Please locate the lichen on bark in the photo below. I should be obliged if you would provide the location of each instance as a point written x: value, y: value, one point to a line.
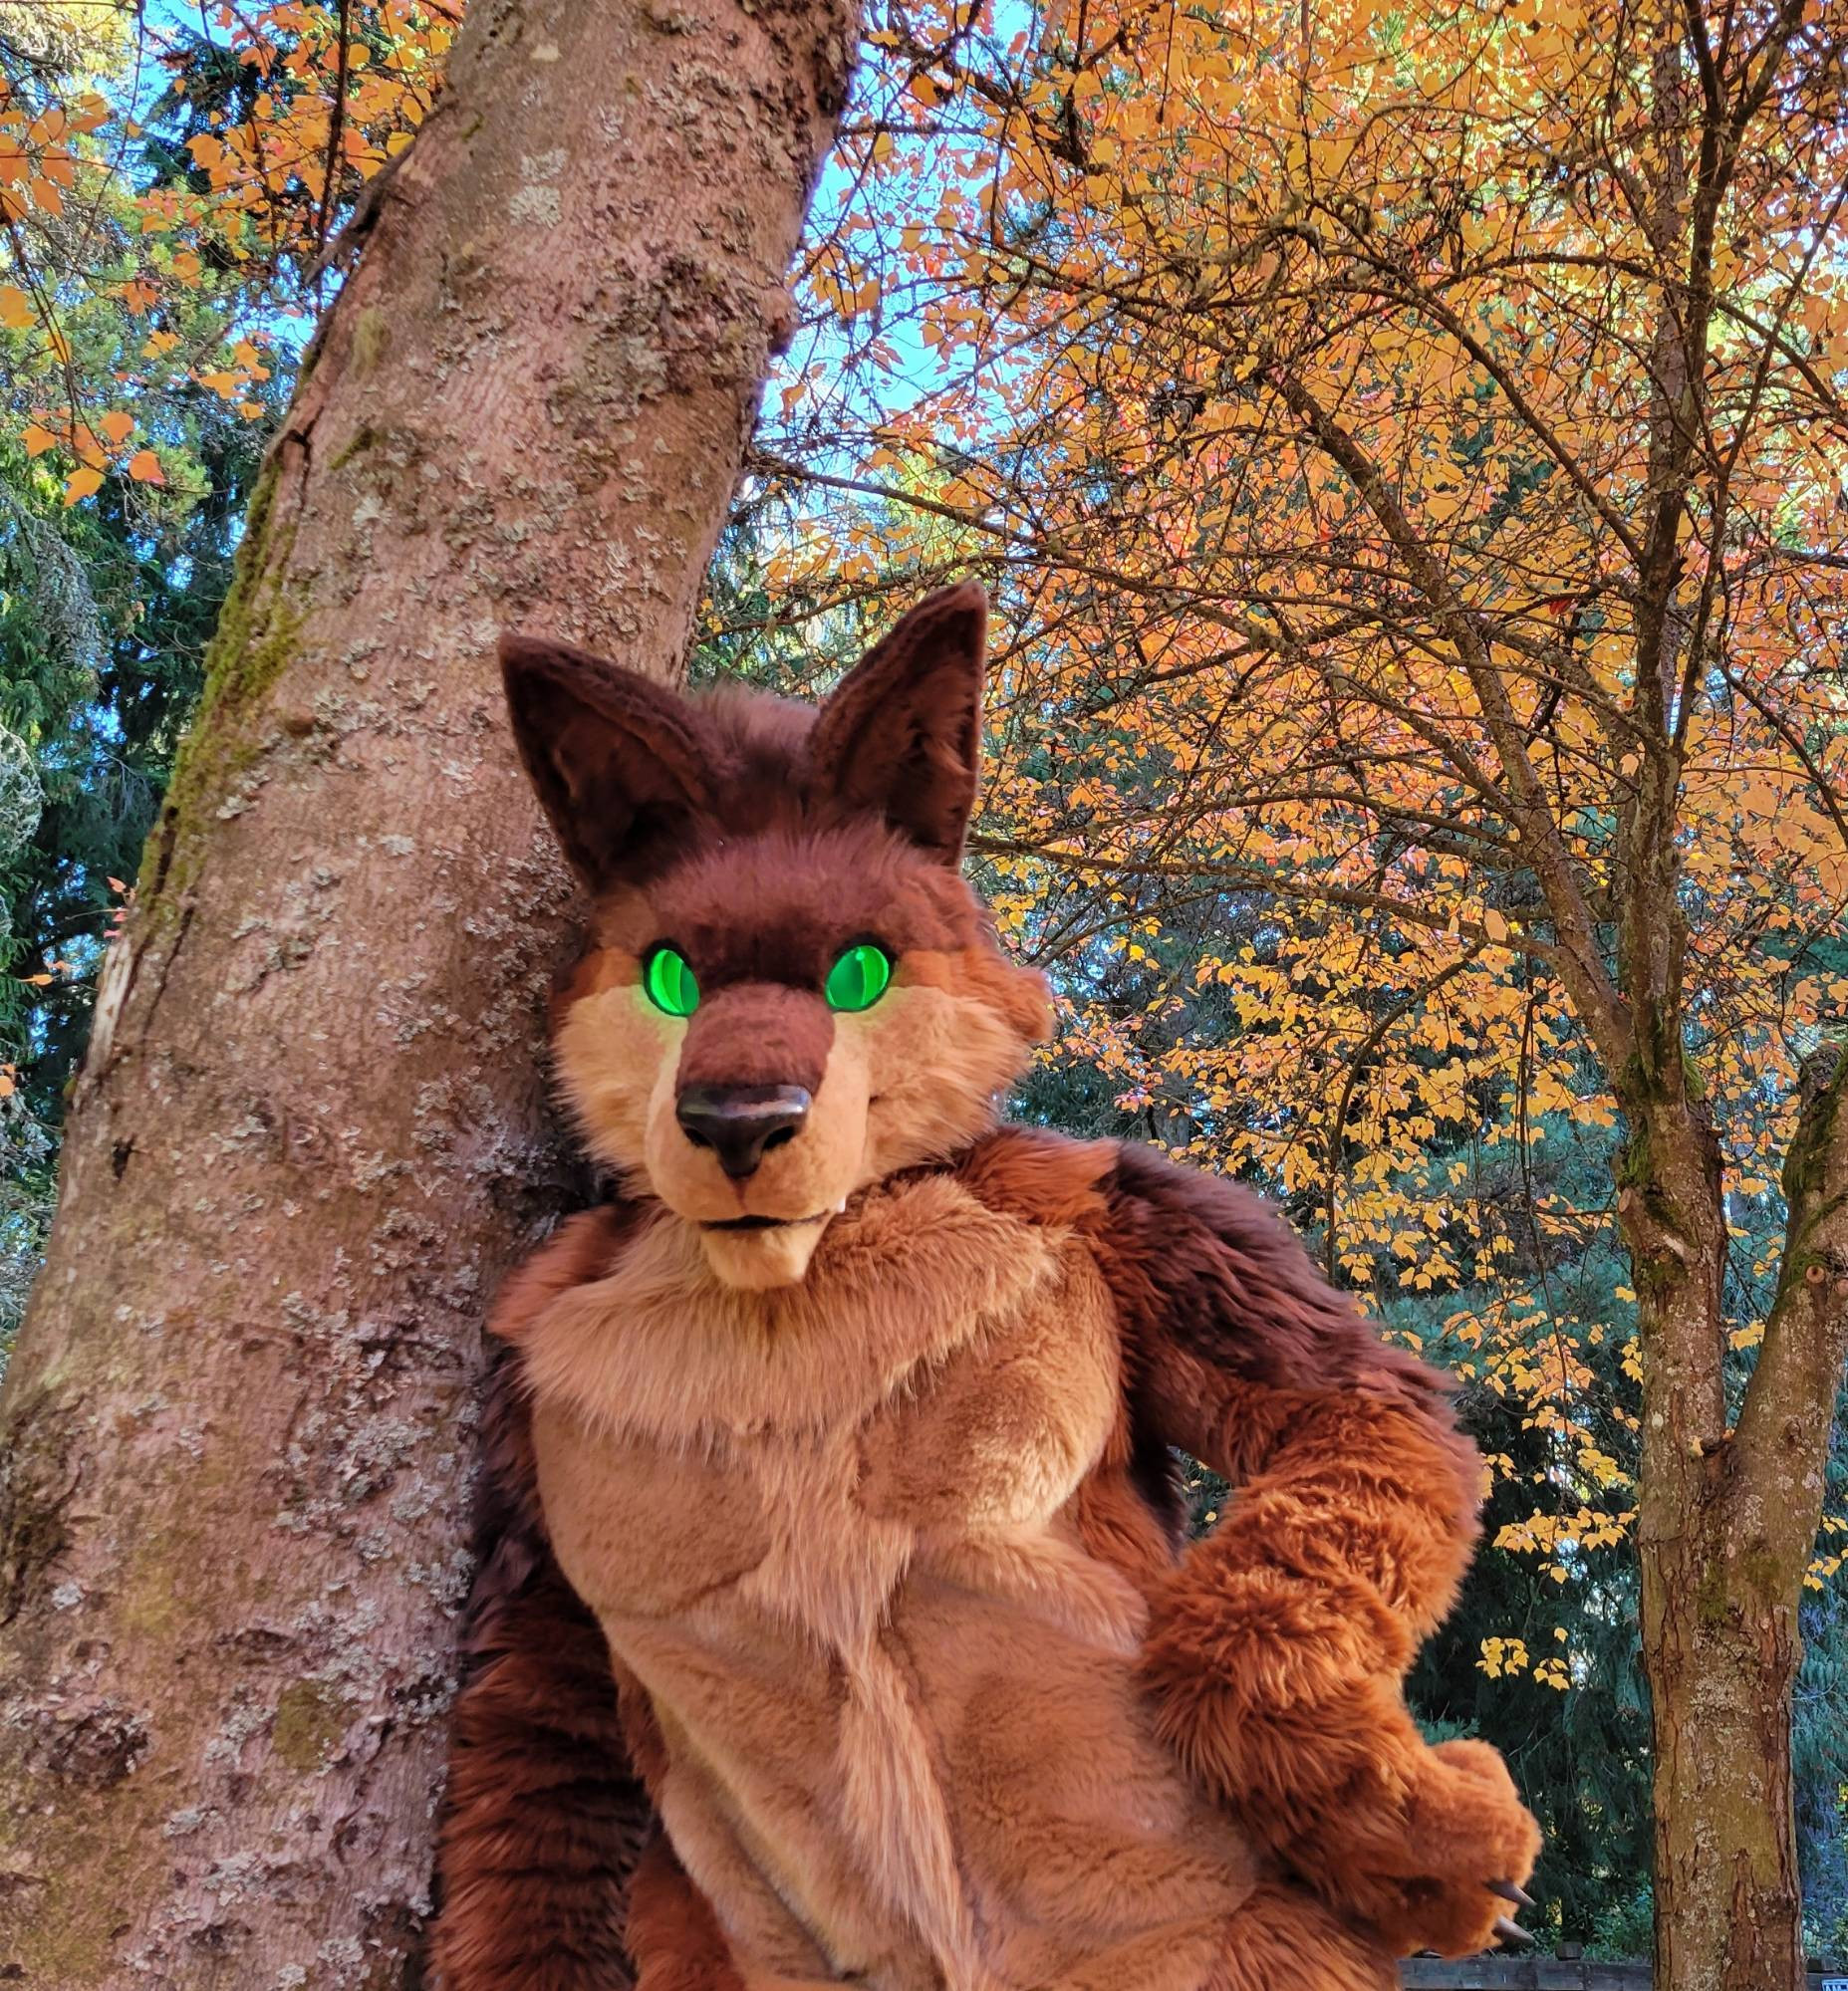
x: 250, y: 650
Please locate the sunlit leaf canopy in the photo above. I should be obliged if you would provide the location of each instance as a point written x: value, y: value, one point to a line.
x: 1309, y: 379
x: 134, y: 267
x: 173, y: 180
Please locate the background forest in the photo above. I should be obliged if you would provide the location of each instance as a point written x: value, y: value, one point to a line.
x: 1064, y: 275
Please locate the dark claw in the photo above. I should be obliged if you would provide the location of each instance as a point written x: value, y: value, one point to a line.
x: 1510, y: 1934
x: 1509, y: 1893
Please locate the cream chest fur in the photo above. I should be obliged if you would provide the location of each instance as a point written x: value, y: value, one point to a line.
x: 829, y: 1530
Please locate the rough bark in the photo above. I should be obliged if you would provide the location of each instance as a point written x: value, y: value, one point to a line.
x: 1727, y: 1513
x: 1727, y: 1527
x: 309, y: 1134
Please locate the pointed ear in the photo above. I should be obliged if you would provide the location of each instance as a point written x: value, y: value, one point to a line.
x: 902, y: 733
x: 617, y: 761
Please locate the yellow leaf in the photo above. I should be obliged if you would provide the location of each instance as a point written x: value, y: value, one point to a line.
x: 82, y: 483
x: 1494, y: 926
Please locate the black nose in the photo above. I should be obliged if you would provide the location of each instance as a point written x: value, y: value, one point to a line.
x: 739, y: 1123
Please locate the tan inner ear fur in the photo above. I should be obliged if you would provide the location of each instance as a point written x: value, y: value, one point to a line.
x: 908, y: 1080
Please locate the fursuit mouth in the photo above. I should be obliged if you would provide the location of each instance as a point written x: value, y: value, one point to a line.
x: 772, y: 1223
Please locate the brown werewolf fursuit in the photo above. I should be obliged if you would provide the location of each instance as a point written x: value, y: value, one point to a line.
x: 834, y: 1623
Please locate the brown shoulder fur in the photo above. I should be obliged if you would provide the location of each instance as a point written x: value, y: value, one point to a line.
x: 1277, y: 1649
x: 1278, y: 1644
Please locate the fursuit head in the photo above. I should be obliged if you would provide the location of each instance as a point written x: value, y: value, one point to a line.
x: 836, y: 1621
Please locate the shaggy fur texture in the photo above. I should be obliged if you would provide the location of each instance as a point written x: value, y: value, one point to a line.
x: 836, y: 1625
x: 545, y: 1808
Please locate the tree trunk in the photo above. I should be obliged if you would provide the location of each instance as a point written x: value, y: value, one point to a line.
x: 1727, y: 1526
x: 310, y: 1135
x: 1721, y: 1634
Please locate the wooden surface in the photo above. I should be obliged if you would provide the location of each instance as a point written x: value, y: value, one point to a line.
x: 1546, y: 1973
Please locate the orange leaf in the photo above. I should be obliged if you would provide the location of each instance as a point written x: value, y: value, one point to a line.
x: 145, y: 467
x: 38, y: 440
x: 15, y: 311
x: 116, y: 426
x: 82, y: 483
x: 38, y: 981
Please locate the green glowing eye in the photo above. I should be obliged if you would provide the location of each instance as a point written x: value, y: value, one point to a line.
x: 670, y: 982
x: 858, y: 979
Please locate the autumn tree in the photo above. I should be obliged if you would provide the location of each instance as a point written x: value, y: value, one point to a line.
x: 235, y: 1455
x: 1409, y: 441
x: 106, y: 595
x: 151, y: 312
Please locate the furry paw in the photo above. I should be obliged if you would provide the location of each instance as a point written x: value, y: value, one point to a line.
x: 1274, y: 1697
x: 1438, y: 1869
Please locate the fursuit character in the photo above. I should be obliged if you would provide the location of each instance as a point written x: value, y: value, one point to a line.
x: 835, y: 1623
